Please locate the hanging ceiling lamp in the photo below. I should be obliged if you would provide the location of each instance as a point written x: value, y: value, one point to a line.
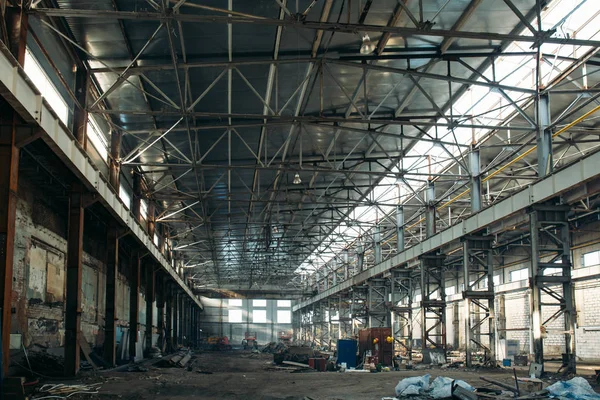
x: 297, y: 179
x: 367, y: 46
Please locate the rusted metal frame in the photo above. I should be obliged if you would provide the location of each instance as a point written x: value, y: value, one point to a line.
x: 16, y: 25
x: 135, y: 267
x: 73, y: 280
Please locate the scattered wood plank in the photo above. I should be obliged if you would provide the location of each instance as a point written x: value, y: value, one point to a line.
x: 296, y: 364
x: 86, y: 350
x: 501, y: 384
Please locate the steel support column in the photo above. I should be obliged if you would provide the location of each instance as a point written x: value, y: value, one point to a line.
x: 134, y: 304
x: 17, y: 25
x: 544, y: 136
x: 73, y: 285
x: 344, y: 316
x: 478, y: 271
x: 377, y: 302
x: 433, y: 302
x: 137, y: 197
x: 550, y: 281
x: 110, y: 309
x: 80, y: 115
x: 399, y: 229
x: 475, y: 165
x: 430, y: 209
x: 402, y: 291
x: 150, y: 292
x: 359, y: 310
x: 114, y: 165
x: 377, y: 244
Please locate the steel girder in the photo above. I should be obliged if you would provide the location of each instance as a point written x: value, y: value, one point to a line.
x: 433, y: 301
x: 402, y: 290
x: 552, y: 297
x: 478, y: 271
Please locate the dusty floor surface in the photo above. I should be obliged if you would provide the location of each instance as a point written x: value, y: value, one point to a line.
x: 242, y: 375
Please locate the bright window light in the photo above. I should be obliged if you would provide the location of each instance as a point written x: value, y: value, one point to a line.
x: 450, y: 290
x: 259, y: 303
x: 144, y: 209
x: 519, y: 275
x: 97, y: 138
x: 235, y: 302
x: 125, y: 196
x: 591, y: 259
x: 235, y: 316
x: 156, y: 240
x: 284, y: 317
x: 284, y: 303
x: 35, y: 72
x: 259, y: 316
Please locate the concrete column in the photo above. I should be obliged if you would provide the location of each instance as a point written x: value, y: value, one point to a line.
x: 110, y: 309
x: 168, y: 317
x: 150, y: 292
x: 175, y: 328
x: 134, y: 304
x: 73, y: 286
x: 160, y: 309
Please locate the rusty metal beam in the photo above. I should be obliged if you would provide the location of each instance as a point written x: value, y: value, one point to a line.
x: 134, y: 303
x: 80, y: 115
x: 73, y: 291
x: 16, y: 25
x: 114, y: 165
x: 110, y: 312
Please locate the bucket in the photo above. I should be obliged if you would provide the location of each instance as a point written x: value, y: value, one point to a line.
x: 506, y: 362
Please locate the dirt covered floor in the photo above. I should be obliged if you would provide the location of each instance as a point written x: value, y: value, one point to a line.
x: 244, y: 375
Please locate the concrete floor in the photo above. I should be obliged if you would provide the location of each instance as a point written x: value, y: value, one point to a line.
x: 243, y: 375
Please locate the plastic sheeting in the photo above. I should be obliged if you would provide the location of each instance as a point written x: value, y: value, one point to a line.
x: 577, y: 388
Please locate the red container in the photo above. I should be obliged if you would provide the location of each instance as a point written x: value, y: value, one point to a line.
x: 320, y: 364
x: 382, y: 350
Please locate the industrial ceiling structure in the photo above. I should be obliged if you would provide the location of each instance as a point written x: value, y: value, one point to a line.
x: 278, y: 138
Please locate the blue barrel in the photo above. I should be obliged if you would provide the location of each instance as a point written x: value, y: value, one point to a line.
x: 346, y: 349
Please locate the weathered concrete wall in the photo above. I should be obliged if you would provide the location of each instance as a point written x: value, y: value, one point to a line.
x: 39, y: 274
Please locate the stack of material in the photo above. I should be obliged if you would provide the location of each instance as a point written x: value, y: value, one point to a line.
x: 62, y: 391
x: 179, y: 360
x: 274, y: 348
x: 46, y: 363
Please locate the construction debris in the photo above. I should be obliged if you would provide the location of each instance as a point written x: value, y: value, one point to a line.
x: 62, y: 391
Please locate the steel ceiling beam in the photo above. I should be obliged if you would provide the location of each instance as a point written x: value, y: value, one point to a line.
x: 541, y: 37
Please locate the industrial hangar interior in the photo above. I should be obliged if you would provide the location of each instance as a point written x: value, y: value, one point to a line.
x: 236, y: 198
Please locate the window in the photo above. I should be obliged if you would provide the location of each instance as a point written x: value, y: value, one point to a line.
x: 259, y: 316
x: 284, y: 317
x: 284, y: 303
x: 156, y: 240
x: 97, y: 138
x: 125, y: 196
x: 519, y: 275
x: 235, y: 302
x: 591, y: 259
x: 259, y: 303
x: 35, y: 72
x: 450, y: 290
x: 144, y: 209
x: 235, y: 316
